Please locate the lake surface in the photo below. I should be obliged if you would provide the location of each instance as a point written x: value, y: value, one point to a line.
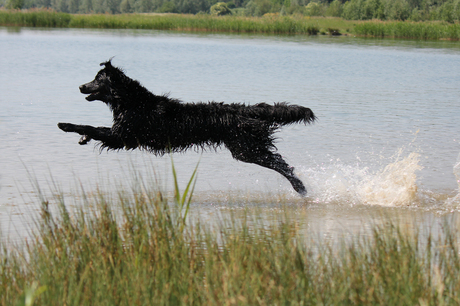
x: 388, y: 133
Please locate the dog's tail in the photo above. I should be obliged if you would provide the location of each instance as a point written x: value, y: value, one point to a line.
x: 282, y: 113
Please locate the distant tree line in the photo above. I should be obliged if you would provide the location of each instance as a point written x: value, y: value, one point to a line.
x: 415, y: 10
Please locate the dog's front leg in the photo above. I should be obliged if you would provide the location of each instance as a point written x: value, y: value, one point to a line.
x: 88, y: 132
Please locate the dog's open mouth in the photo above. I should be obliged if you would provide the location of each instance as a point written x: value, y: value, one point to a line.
x: 92, y: 92
x: 94, y: 96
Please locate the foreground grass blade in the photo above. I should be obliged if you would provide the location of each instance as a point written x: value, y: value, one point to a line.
x: 184, y: 201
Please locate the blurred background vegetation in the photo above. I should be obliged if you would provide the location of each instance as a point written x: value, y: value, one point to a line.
x: 412, y: 10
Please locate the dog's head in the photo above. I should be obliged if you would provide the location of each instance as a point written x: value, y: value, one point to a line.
x: 105, y: 85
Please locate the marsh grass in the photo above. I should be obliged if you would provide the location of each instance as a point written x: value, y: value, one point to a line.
x: 278, y: 25
x: 34, y: 18
x: 133, y: 247
x: 271, y: 24
x: 407, y: 29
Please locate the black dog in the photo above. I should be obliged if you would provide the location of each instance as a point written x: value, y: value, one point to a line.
x: 160, y: 124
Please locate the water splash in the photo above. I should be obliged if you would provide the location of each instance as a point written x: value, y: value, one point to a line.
x: 391, y: 184
x: 333, y: 183
x: 395, y: 185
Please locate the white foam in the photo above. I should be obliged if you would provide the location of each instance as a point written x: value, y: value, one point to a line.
x: 395, y: 185
x: 392, y: 184
x: 333, y: 183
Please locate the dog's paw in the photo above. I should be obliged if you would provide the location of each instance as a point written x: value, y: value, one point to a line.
x: 66, y: 127
x: 84, y: 139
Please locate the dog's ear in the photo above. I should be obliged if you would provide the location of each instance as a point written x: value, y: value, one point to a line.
x: 107, y: 63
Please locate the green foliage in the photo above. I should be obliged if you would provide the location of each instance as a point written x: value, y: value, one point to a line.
x: 168, y: 7
x: 220, y: 9
x: 15, y: 4
x: 125, y: 6
x: 414, y: 10
x: 260, y: 7
x: 352, y: 9
x: 183, y: 202
x: 373, y: 9
x: 314, y: 9
x: 448, y: 11
x: 30, y: 294
x: 34, y: 18
x: 271, y: 23
x: 418, y: 30
x: 334, y: 9
x: 376, y: 9
x: 397, y: 10
x: 276, y: 25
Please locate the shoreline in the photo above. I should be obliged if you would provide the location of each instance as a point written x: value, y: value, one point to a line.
x: 273, y: 24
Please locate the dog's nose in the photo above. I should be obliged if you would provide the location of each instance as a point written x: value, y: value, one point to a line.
x: 85, y: 89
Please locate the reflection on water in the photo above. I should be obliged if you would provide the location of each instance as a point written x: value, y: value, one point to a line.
x: 371, y: 96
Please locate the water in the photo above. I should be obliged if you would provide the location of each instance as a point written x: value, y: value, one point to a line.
x: 387, y: 135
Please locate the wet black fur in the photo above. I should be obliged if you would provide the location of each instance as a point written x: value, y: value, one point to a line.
x: 160, y: 124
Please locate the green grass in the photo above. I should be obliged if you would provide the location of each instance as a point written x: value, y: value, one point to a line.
x: 35, y: 18
x: 407, y: 29
x: 272, y: 24
x: 285, y: 25
x: 134, y: 247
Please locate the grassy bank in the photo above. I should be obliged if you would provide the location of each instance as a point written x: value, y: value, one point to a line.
x: 417, y: 30
x: 272, y: 24
x: 275, y: 25
x: 134, y: 248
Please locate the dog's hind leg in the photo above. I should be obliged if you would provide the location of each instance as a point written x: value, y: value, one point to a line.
x: 88, y: 132
x: 271, y: 160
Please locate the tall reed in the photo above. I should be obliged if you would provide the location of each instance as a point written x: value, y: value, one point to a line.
x: 35, y: 18
x: 274, y: 25
x: 286, y: 25
x: 406, y: 29
x: 236, y: 24
x: 131, y: 248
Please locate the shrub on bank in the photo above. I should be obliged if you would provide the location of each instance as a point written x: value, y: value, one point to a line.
x: 220, y: 9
